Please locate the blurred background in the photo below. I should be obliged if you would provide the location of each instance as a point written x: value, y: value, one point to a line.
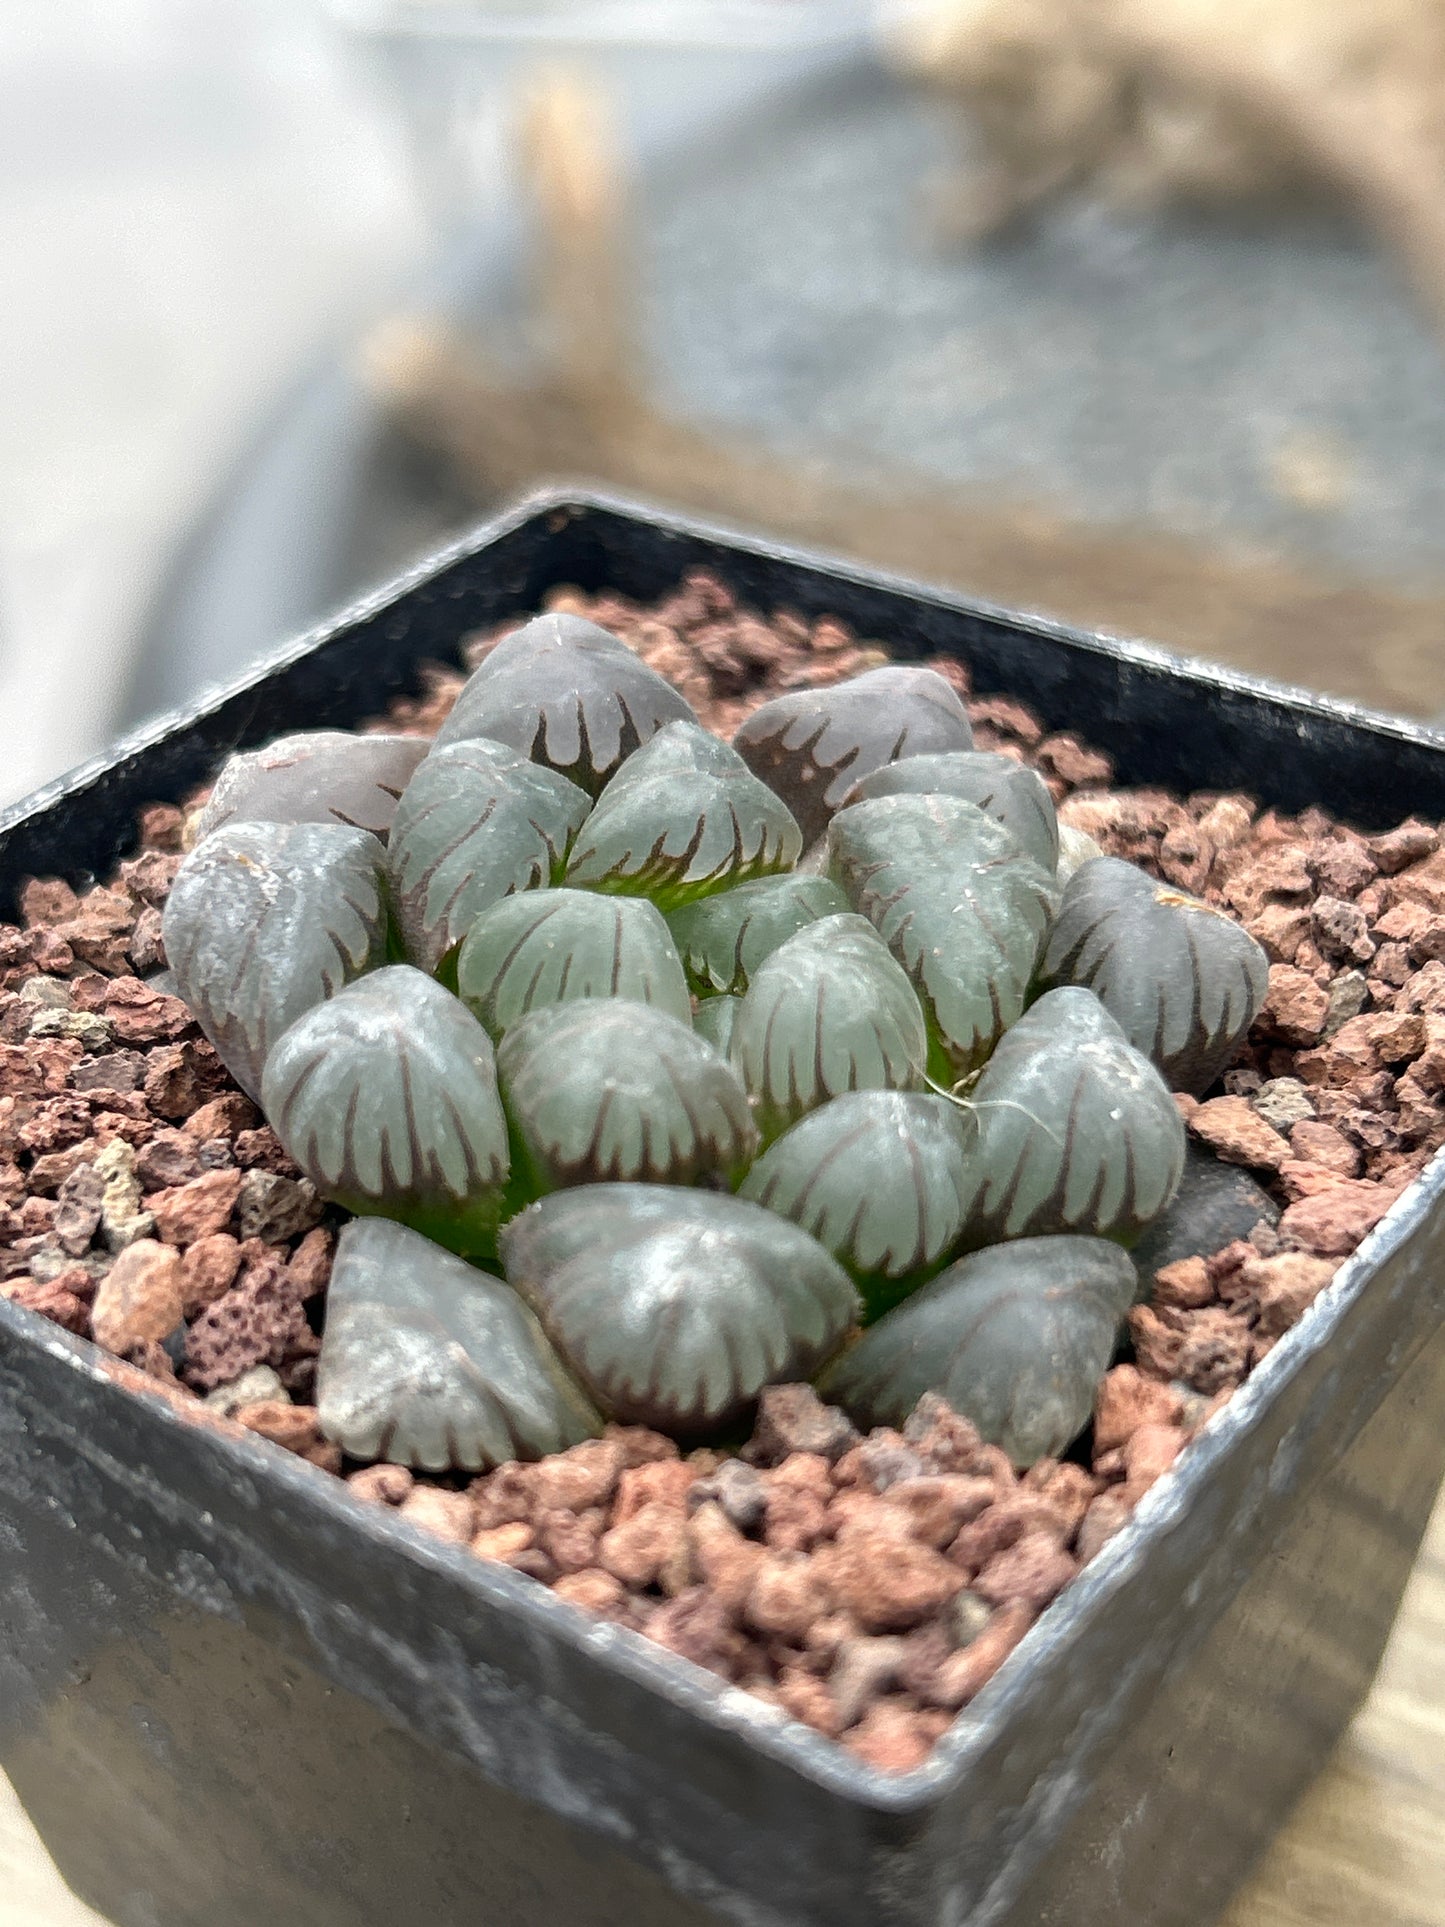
x: 1128, y: 310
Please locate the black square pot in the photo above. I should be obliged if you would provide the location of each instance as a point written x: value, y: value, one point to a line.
x: 231, y: 1692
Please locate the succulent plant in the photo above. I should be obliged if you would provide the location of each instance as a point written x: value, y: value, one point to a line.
x: 428, y: 1362
x: 1016, y: 1338
x: 567, y: 694
x: 266, y: 919
x: 813, y: 745
x: 962, y: 907
x: 1184, y: 980
x: 386, y: 1096
x: 710, y: 1109
x: 676, y: 1308
x: 318, y: 776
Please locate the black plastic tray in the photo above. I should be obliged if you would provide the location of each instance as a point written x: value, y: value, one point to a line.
x: 229, y: 1690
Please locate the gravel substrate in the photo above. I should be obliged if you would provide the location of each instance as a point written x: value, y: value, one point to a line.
x: 869, y: 1587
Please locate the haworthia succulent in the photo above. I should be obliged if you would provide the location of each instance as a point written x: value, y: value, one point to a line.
x: 264, y: 920
x: 386, y: 1096
x: 1016, y: 1338
x: 722, y: 939
x: 1077, y: 1130
x: 682, y: 818
x: 714, y: 1019
x: 550, y: 946
x: 619, y: 1090
x: 958, y: 903
x: 1183, y: 979
x: 879, y: 1178
x: 1010, y: 792
x: 429, y: 1363
x: 477, y: 823
x: 829, y: 1011
x: 812, y: 745
x: 568, y: 694
x: 317, y: 776
x: 675, y: 1308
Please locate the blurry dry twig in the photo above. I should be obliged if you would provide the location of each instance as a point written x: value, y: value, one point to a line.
x: 582, y: 413
x: 1153, y: 101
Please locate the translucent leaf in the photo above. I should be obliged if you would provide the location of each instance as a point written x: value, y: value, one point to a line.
x: 829, y: 1011
x: 387, y: 1098
x: 1182, y: 978
x: 958, y: 904
x: 683, y: 817
x: 723, y: 938
x: 813, y: 745
x: 568, y: 694
x: 618, y: 1090
x: 478, y: 822
x: 715, y: 1019
x: 429, y: 1363
x: 1011, y: 793
x: 879, y: 1178
x: 266, y: 919
x: 551, y: 946
x: 1016, y: 1338
x: 318, y: 776
x: 675, y: 1308
x: 1077, y: 1129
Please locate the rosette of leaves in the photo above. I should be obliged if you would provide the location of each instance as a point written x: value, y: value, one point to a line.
x: 1077, y: 1131
x: 812, y: 745
x: 478, y: 822
x: 549, y: 946
x: 1010, y: 792
x: 828, y: 1011
x: 960, y: 905
x: 880, y: 1179
x: 386, y: 1096
x: 1016, y: 1338
x: 263, y: 921
x: 675, y: 1308
x: 682, y: 818
x: 618, y: 1090
x: 427, y: 1362
x: 1183, y: 980
x: 567, y: 694
x: 315, y: 776
x: 723, y: 938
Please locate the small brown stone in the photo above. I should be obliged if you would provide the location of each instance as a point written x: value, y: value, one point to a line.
x: 1214, y: 1351
x: 447, y: 1514
x: 1185, y: 1284
x: 1148, y: 1455
x: 586, y: 1475
x: 1235, y: 1132
x: 792, y: 1418
x: 502, y: 1543
x: 937, y: 1506
x: 696, y: 1626
x: 52, y: 1299
x: 1031, y: 1572
x: 139, y: 1298
x: 1334, y: 1221
x: 1296, y: 1007
x: 648, y: 1541
x: 886, y: 1581
x: 658, y: 1482
x: 892, y: 1738
x: 382, y: 1484
x: 1322, y: 1144
x: 1126, y: 1400
x: 593, y: 1591
x: 208, y: 1271
x: 1285, y: 1287
x: 196, y: 1210
x: 726, y: 1561
x: 965, y: 1673
x: 569, y: 1539
x: 640, y: 1445
x: 808, y: 1699
x: 225, y: 1116
x: 296, y: 1427
x: 786, y: 1596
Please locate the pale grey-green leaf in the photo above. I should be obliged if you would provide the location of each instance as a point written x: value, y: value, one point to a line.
x: 264, y: 920
x: 477, y: 823
x: 675, y: 1308
x: 552, y: 946
x: 316, y: 776
x: 619, y: 1090
x: 429, y: 1363
x: 722, y: 939
x: 1016, y: 1338
x: 1009, y: 791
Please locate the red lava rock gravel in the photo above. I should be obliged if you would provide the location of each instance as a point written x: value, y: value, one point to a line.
x: 869, y: 1587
